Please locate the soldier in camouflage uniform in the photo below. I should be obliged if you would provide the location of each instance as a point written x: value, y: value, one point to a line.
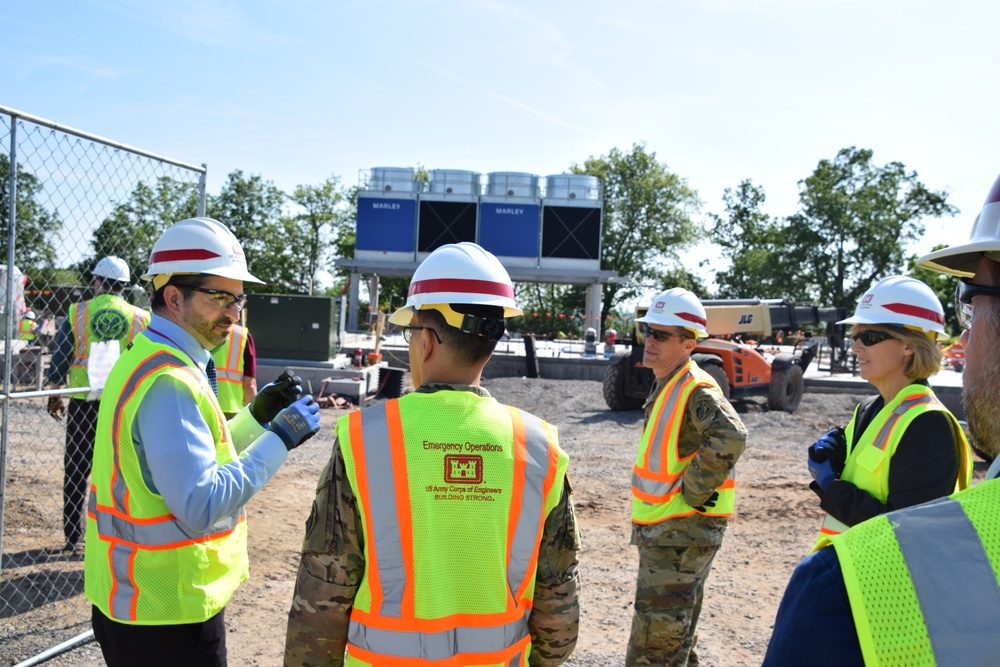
x: 450, y: 342
x: 683, y: 484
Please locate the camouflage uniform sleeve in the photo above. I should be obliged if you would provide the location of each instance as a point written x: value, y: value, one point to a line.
x: 330, y: 572
x: 716, y: 435
x: 555, y: 617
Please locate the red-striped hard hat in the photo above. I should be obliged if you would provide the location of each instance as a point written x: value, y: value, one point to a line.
x: 459, y: 273
x: 677, y: 307
x: 963, y: 259
x: 199, y: 245
x: 900, y: 300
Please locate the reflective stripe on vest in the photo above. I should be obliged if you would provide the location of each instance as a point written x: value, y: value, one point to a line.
x: 658, y: 474
x: 25, y: 329
x: 376, y: 436
x: 886, y: 440
x: 922, y: 587
x: 229, y: 356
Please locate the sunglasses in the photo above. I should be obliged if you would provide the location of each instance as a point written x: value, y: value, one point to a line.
x: 964, y: 293
x: 221, y: 298
x: 657, y: 335
x: 870, y: 337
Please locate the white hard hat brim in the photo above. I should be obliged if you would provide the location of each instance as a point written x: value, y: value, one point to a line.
x: 960, y: 260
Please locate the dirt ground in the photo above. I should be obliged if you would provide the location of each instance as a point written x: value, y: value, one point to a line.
x: 774, y: 526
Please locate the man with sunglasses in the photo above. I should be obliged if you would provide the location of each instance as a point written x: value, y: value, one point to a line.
x: 918, y: 586
x: 683, y: 483
x: 443, y: 530
x: 166, y: 535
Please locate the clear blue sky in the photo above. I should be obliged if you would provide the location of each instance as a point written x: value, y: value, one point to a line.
x: 298, y: 90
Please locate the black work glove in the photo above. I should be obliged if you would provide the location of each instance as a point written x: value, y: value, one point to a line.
x: 708, y: 503
x: 275, y: 397
x: 56, y: 407
x: 831, y: 447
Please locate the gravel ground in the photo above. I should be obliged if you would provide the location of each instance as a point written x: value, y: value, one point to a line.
x: 775, y: 524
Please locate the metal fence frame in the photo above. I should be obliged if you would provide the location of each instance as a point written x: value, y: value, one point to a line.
x: 9, y: 394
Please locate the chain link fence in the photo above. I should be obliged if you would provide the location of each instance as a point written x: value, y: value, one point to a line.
x: 67, y: 199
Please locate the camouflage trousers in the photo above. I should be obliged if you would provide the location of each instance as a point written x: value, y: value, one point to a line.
x: 668, y: 596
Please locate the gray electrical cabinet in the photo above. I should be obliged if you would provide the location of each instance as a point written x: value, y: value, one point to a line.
x: 286, y: 326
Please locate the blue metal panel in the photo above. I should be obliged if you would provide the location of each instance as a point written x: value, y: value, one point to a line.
x: 508, y: 229
x: 386, y: 224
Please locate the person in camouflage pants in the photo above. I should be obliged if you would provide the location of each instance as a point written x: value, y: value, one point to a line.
x: 678, y: 529
x: 331, y: 610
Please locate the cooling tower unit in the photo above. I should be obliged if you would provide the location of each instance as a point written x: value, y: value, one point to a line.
x: 387, y: 216
x: 510, y: 217
x: 571, y: 222
x: 448, y: 211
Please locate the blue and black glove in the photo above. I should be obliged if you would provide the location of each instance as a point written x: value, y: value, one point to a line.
x: 831, y: 447
x: 822, y: 472
x: 275, y: 397
x: 297, y: 423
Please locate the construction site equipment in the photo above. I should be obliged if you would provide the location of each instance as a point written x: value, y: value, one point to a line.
x: 740, y: 366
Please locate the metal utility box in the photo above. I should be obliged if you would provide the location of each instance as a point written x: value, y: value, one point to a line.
x: 288, y: 326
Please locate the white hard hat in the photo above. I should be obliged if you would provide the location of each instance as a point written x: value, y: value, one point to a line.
x: 458, y: 273
x: 113, y: 268
x: 29, y: 314
x: 677, y: 307
x: 199, y: 245
x: 963, y: 259
x: 900, y: 300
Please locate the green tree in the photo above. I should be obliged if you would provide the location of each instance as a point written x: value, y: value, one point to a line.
x: 855, y: 220
x: 647, y: 220
x: 759, y: 260
x: 322, y: 207
x: 36, y: 227
x: 132, y: 228
x: 252, y: 208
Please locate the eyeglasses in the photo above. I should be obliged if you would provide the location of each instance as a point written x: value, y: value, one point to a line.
x: 658, y: 335
x: 408, y: 333
x: 221, y: 298
x: 870, y: 337
x: 964, y: 293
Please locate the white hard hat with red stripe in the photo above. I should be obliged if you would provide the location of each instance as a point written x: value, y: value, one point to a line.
x: 902, y: 301
x: 458, y: 273
x: 963, y: 259
x: 198, y: 246
x: 677, y: 307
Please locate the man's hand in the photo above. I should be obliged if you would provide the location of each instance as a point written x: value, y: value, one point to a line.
x: 297, y: 423
x: 822, y: 472
x: 275, y: 397
x: 831, y: 447
x: 708, y: 503
x: 56, y: 407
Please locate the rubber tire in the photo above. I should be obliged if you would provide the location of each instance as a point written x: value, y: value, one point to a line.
x: 719, y: 375
x: 786, y: 388
x: 614, y: 385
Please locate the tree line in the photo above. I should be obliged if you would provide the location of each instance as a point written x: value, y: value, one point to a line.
x: 854, y: 219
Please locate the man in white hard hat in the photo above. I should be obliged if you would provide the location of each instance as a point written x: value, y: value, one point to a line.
x: 166, y: 536
x: 683, y: 483
x: 88, y: 342
x: 918, y: 586
x: 443, y: 529
x: 28, y: 326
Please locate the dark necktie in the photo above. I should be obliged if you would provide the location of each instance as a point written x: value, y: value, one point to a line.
x: 213, y: 380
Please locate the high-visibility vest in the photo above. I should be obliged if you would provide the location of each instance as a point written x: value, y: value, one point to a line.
x: 453, y: 489
x: 229, y: 369
x: 922, y: 582
x: 867, y: 465
x: 106, y: 317
x: 26, y: 329
x: 658, y: 473
x: 141, y: 565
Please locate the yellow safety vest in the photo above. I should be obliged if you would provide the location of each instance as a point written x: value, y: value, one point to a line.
x: 922, y: 582
x: 26, y: 329
x: 141, y: 565
x: 229, y: 369
x: 867, y: 465
x: 106, y: 317
x: 453, y: 490
x: 659, y: 471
